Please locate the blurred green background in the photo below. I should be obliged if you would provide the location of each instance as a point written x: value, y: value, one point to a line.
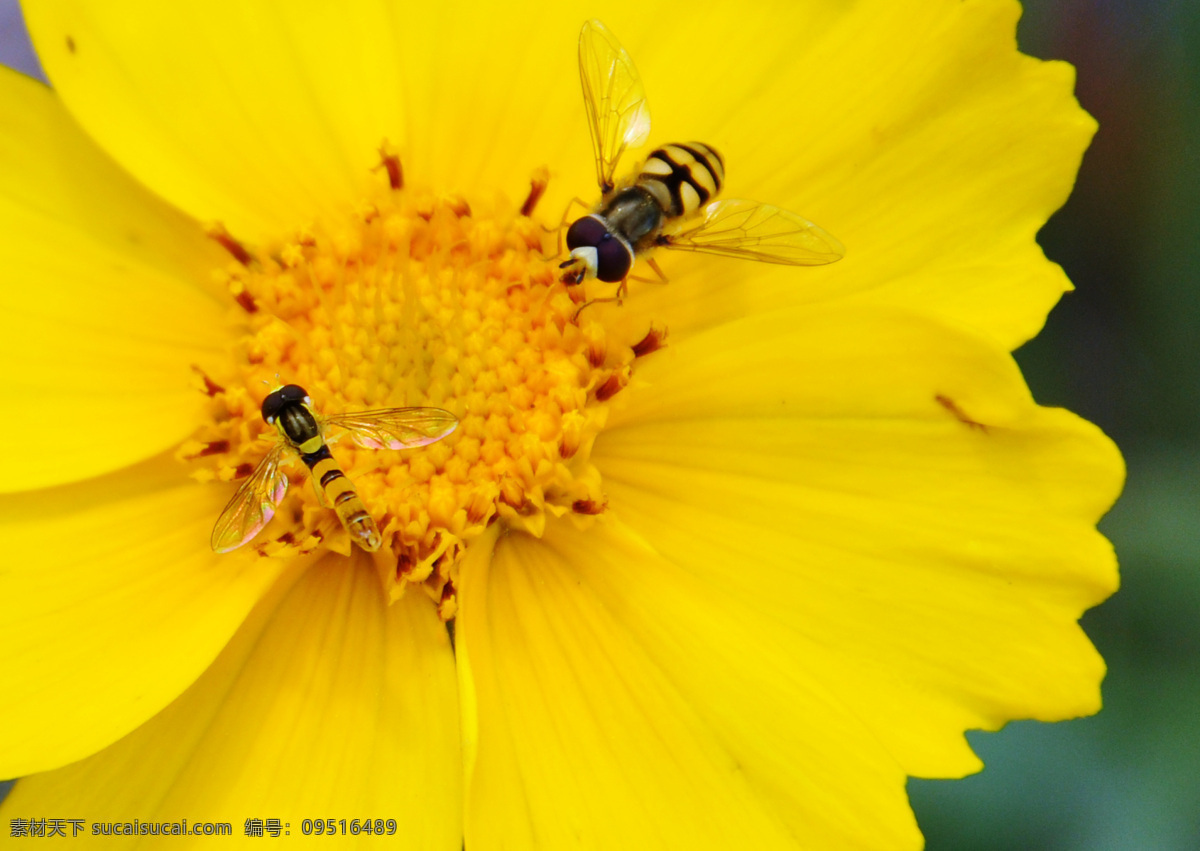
x: 1122, y: 352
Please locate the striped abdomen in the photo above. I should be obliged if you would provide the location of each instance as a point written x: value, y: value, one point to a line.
x: 682, y: 177
x: 336, y: 490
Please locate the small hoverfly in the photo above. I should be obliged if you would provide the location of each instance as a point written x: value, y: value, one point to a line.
x: 655, y: 206
x: 301, y: 430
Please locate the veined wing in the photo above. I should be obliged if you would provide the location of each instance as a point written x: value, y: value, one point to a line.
x: 253, y: 505
x: 396, y: 428
x: 754, y: 231
x: 615, y: 98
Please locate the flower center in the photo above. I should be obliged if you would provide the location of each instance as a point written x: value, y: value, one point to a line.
x: 418, y: 300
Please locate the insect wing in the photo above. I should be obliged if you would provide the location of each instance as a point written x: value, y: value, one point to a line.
x: 615, y: 98
x: 754, y: 231
x: 253, y: 505
x: 396, y: 428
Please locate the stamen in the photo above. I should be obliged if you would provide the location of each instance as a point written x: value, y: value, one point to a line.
x: 589, y: 506
x: 611, y: 387
x: 418, y: 299
x: 211, y: 388
x: 537, y: 188
x: 217, y: 232
x: 390, y: 161
x: 654, y: 340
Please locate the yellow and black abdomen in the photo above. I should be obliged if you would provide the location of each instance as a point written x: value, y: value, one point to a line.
x: 682, y: 177
x: 338, y: 492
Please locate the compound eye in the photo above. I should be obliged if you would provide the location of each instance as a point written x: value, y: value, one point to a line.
x: 613, y: 260
x: 276, y: 401
x: 587, y: 231
x: 271, y: 406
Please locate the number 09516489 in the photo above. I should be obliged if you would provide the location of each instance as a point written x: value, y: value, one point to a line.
x: 348, y: 827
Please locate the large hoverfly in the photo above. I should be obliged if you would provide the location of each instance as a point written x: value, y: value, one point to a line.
x: 302, y: 431
x: 666, y: 201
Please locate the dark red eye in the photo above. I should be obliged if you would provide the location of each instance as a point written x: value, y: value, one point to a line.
x: 587, y: 231
x: 613, y: 259
x: 276, y: 401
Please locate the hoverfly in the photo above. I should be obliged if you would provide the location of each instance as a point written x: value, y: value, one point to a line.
x: 655, y: 206
x: 302, y: 431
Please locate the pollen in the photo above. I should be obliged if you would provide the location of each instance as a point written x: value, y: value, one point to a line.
x: 416, y: 299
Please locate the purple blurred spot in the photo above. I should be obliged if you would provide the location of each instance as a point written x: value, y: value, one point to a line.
x: 16, y: 51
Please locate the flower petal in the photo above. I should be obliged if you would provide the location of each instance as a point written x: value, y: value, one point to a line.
x: 605, y: 721
x: 916, y: 134
x: 882, y: 495
x: 221, y: 108
x: 942, y: 184
x: 328, y: 703
x: 914, y: 131
x: 107, y: 624
x: 100, y: 315
x: 264, y: 116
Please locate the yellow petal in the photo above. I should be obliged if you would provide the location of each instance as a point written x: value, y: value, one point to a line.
x: 216, y: 108
x: 327, y: 704
x: 605, y: 721
x: 101, y: 317
x: 913, y: 131
x: 883, y: 498
x: 265, y: 116
x: 111, y: 604
x: 964, y: 157
x: 916, y: 134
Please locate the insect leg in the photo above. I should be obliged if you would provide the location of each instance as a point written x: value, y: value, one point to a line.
x: 618, y: 297
x: 661, y: 277
x: 562, y: 226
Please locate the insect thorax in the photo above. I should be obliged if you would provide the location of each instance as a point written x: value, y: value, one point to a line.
x: 634, y: 213
x: 298, y: 424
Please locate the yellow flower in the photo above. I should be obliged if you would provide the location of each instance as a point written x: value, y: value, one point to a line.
x: 727, y: 588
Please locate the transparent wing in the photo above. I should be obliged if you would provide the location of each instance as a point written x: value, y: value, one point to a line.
x: 754, y: 231
x: 614, y: 97
x: 253, y: 505
x: 396, y: 428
